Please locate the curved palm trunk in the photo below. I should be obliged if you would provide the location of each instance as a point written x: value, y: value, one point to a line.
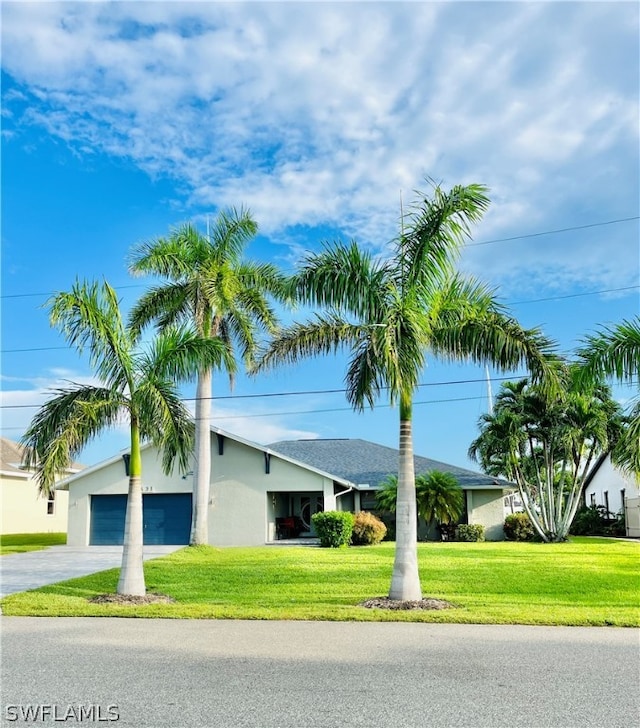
x: 202, y: 467
x: 131, y: 579
x: 405, y: 580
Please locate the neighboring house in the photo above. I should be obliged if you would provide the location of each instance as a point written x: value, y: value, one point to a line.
x: 253, y: 488
x: 24, y: 509
x: 616, y: 490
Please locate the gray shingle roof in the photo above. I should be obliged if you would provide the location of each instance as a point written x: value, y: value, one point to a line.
x: 364, y: 462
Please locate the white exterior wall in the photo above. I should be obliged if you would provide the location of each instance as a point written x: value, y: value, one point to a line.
x: 112, y: 479
x: 24, y: 510
x: 240, y: 509
x: 486, y: 507
x: 608, y: 479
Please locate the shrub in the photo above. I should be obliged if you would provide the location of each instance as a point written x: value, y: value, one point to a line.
x: 367, y: 529
x: 470, y: 532
x: 333, y: 528
x: 617, y: 527
x: 590, y: 521
x: 518, y: 527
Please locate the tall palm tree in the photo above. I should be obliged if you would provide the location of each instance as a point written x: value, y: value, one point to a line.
x: 392, y: 313
x: 615, y: 351
x: 210, y: 285
x: 136, y: 384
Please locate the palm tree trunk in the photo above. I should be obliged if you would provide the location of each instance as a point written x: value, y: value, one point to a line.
x: 405, y: 580
x: 132, y: 572
x: 202, y: 468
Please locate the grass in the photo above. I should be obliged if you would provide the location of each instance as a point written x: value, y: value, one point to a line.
x: 18, y: 543
x: 584, y: 582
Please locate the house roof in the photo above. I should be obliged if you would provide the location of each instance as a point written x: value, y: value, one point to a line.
x: 11, y: 454
x: 367, y: 464
x: 11, y: 458
x: 65, y: 482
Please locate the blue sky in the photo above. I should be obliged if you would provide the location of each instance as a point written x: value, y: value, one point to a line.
x: 121, y: 120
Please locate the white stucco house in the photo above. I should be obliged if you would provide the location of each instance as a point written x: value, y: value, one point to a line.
x: 258, y: 493
x: 24, y: 509
x: 616, y: 490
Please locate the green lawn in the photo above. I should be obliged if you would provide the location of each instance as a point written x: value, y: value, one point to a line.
x: 584, y: 582
x: 16, y: 543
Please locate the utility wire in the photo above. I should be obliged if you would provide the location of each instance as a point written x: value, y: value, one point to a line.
x: 484, y: 242
x: 513, y: 303
x: 296, y: 394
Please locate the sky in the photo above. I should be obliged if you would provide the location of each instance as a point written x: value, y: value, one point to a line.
x: 123, y: 120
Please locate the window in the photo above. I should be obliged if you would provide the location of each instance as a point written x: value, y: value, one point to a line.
x: 606, y: 500
x: 51, y: 503
x: 593, y: 499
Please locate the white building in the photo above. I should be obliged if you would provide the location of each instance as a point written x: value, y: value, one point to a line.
x: 616, y: 490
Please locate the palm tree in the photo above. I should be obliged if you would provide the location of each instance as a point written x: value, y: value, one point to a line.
x: 548, y: 445
x: 208, y: 284
x: 615, y: 351
x: 440, y: 497
x: 137, y: 385
x: 391, y: 314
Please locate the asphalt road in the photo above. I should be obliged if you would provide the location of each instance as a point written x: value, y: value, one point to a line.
x: 228, y: 674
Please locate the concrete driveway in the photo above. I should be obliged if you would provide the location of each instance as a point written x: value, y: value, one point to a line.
x: 19, y: 572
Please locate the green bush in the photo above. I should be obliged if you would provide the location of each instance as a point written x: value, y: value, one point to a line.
x: 470, y: 532
x: 333, y: 528
x: 367, y: 529
x: 591, y: 521
x: 518, y: 527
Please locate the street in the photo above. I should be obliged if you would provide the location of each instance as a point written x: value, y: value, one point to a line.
x: 219, y: 674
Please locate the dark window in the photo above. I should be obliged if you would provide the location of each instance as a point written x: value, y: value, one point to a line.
x: 51, y: 503
x: 606, y: 500
x: 593, y: 499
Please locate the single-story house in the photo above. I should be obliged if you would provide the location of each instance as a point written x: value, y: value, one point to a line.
x: 253, y: 488
x: 608, y: 486
x: 24, y: 509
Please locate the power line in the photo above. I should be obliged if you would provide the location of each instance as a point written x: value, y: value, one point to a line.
x: 300, y: 393
x: 512, y: 303
x: 573, y: 295
x: 559, y: 230
x: 484, y: 242
x: 317, y: 411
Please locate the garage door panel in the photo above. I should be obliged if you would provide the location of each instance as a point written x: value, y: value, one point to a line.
x: 166, y: 519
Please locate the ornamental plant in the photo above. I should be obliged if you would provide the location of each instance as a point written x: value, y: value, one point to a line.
x: 334, y: 528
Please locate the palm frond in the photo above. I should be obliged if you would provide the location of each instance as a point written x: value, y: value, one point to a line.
x: 167, y: 305
x: 64, y: 425
x: 345, y: 278
x: 89, y: 317
x: 178, y: 354
x: 165, y: 421
x: 613, y: 351
x: 323, y: 335
x: 437, y: 228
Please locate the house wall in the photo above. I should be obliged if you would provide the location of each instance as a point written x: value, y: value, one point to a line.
x: 112, y: 480
x: 24, y: 510
x: 487, y: 508
x: 244, y: 499
x: 607, y: 485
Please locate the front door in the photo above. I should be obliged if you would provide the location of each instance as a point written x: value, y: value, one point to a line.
x: 304, y: 506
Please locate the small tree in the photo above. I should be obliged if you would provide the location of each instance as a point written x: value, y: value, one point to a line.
x: 439, y: 497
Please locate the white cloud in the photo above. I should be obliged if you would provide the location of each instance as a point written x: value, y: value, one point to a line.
x: 319, y: 114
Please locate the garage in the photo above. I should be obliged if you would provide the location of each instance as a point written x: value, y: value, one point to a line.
x: 166, y: 519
